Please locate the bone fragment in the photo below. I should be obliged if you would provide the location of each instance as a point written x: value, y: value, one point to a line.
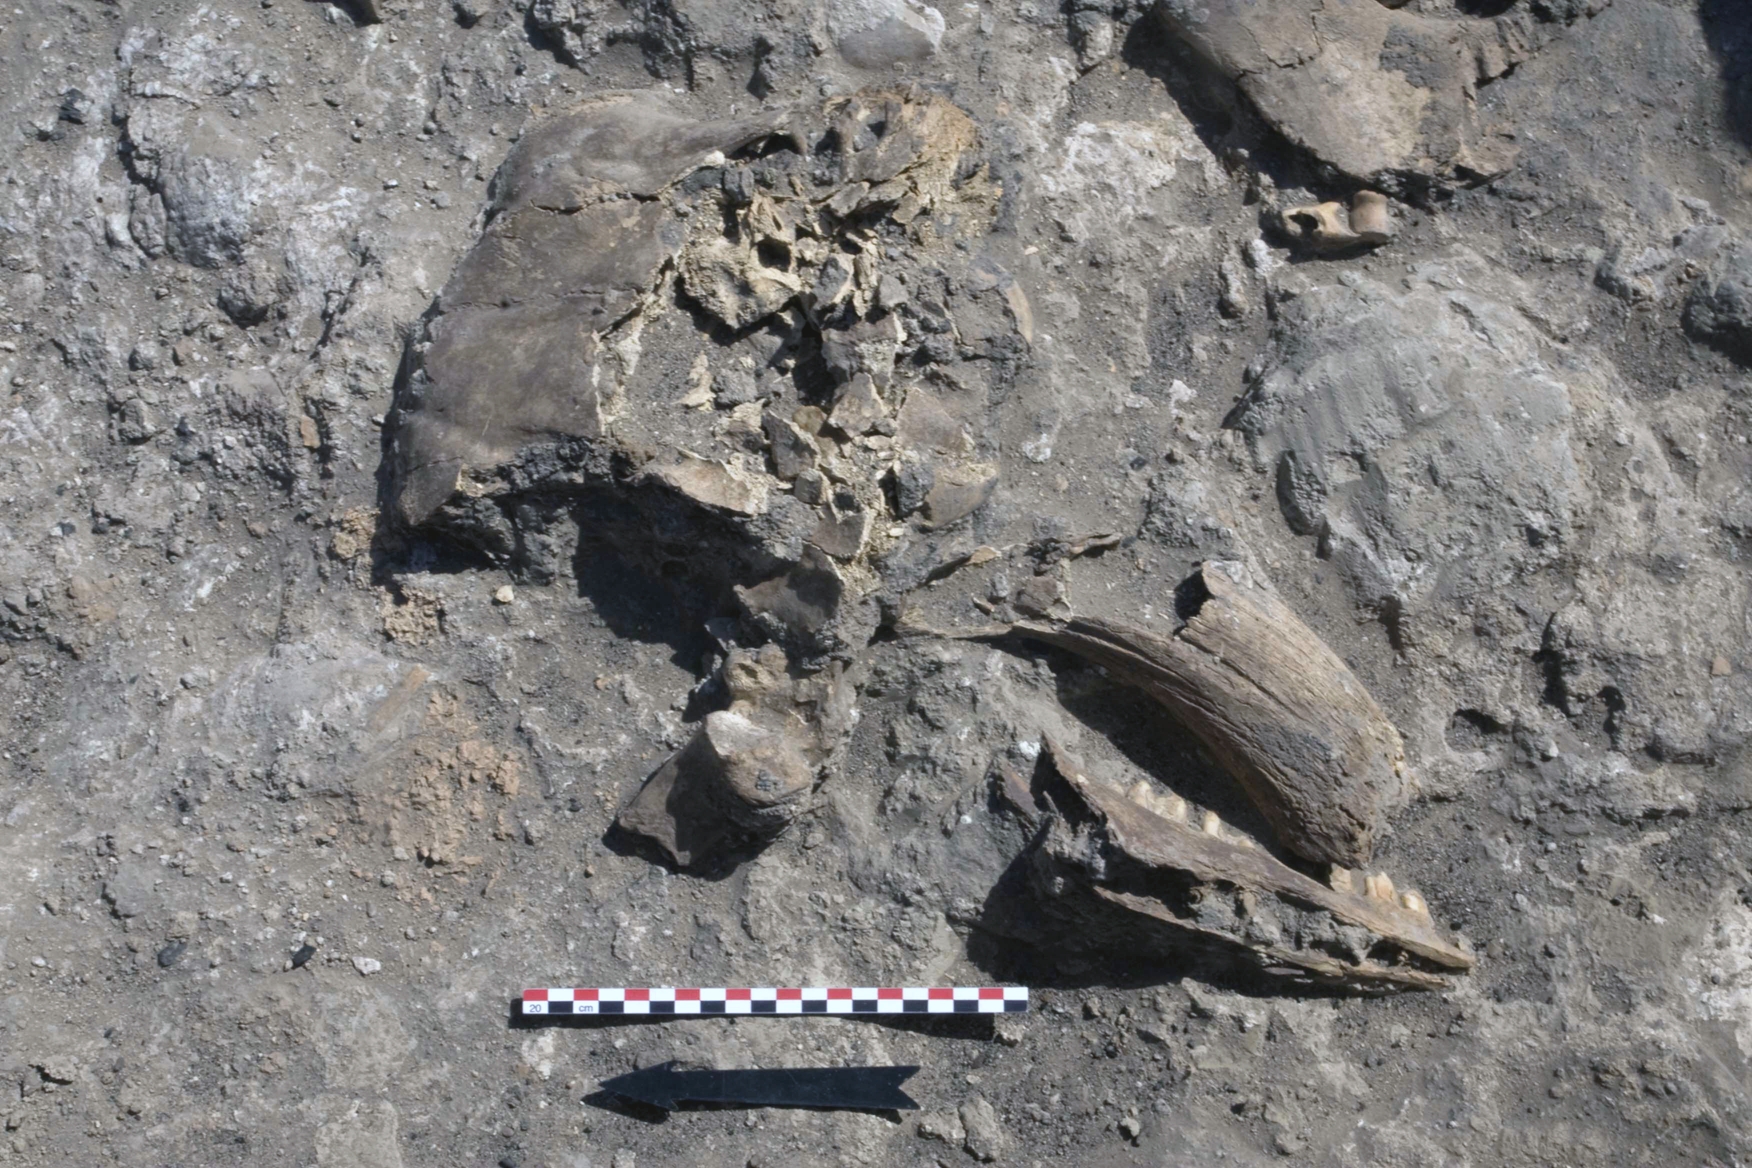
x: 1379, y: 886
x: 1321, y: 225
x: 1368, y: 217
x: 1327, y: 227
x: 1273, y: 704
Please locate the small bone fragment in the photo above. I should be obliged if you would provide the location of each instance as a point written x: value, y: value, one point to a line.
x: 1379, y: 886
x: 1275, y: 706
x: 1339, y: 879
x: 1324, y: 226
x: 1414, y: 902
x: 1212, y: 825
x: 1368, y: 217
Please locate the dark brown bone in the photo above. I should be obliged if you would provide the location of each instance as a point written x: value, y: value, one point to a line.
x: 1273, y: 704
x: 1156, y: 879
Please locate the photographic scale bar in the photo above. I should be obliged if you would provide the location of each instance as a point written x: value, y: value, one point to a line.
x: 672, y: 1000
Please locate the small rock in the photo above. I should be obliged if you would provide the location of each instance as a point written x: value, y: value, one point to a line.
x: 941, y: 1125
x: 959, y: 494
x: 504, y: 594
x: 171, y: 954
x: 811, y: 487
x: 623, y: 1158
x: 878, y: 34
x: 367, y: 965
x: 59, y: 1069
x: 76, y: 107
x: 793, y: 450
x: 856, y: 407
x: 302, y: 955
x: 985, y: 1136
x: 1130, y: 1128
x: 1721, y: 667
x: 734, y: 387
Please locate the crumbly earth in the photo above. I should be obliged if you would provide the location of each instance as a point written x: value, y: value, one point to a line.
x: 294, y: 799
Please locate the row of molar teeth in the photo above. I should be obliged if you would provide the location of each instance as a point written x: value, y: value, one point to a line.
x: 1175, y: 809
x: 1378, y: 885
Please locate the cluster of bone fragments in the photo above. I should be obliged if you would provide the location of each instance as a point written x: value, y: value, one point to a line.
x: 751, y: 355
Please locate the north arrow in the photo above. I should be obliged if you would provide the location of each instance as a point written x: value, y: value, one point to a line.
x: 843, y: 1088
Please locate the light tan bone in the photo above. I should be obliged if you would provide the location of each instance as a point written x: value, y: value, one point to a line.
x: 1326, y: 226
x: 1275, y: 706
x: 1368, y: 217
x: 1125, y: 878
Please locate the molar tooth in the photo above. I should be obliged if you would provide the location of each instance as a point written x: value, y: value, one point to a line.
x: 1379, y: 886
x: 1170, y: 807
x: 1339, y: 879
x: 1212, y: 824
x: 1415, y: 902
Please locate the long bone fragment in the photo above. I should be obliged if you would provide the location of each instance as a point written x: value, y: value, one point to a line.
x: 1130, y: 878
x: 1276, y: 707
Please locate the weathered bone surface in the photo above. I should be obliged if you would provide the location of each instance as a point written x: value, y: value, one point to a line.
x: 695, y: 349
x: 1276, y: 707
x: 1368, y: 88
x: 748, y: 771
x: 573, y: 250
x: 1131, y: 874
x: 1327, y: 227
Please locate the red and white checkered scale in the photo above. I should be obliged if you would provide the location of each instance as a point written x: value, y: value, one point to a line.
x: 777, y: 1000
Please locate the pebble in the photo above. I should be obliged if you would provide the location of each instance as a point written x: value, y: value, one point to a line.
x: 171, y: 954
x: 985, y: 1136
x: 367, y: 965
x: 504, y: 594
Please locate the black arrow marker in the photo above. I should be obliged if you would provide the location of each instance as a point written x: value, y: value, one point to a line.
x: 842, y: 1088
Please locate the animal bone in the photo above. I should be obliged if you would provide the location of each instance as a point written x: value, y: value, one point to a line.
x: 1326, y: 227
x: 1275, y: 706
x: 1368, y: 217
x: 748, y: 771
x: 1124, y: 878
x: 1321, y: 225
